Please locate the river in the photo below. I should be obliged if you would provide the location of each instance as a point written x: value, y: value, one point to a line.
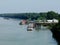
x: 11, y: 33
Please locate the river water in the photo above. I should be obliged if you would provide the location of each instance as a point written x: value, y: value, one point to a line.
x: 11, y: 33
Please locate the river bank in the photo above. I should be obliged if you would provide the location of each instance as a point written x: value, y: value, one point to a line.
x: 56, y: 32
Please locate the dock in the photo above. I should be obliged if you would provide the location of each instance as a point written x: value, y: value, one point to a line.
x: 37, y: 24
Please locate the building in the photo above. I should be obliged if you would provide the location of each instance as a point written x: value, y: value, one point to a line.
x: 53, y: 21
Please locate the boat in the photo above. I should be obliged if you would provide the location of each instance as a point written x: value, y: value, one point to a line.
x: 30, y: 29
x: 23, y: 22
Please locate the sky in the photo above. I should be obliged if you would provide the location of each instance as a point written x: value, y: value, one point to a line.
x: 23, y: 6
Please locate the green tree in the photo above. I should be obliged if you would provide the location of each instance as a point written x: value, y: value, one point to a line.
x: 51, y: 15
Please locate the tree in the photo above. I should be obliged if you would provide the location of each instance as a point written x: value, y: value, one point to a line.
x: 51, y: 15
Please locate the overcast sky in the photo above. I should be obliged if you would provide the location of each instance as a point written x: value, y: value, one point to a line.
x: 22, y: 6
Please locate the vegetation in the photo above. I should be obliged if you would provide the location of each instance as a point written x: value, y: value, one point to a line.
x: 32, y: 16
x: 56, y: 32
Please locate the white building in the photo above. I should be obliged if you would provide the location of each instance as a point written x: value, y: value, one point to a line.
x: 50, y: 21
x: 53, y: 20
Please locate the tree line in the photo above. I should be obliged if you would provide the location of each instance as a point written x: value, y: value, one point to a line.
x: 32, y: 16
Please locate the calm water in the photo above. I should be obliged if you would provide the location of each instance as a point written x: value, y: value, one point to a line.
x: 11, y: 33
